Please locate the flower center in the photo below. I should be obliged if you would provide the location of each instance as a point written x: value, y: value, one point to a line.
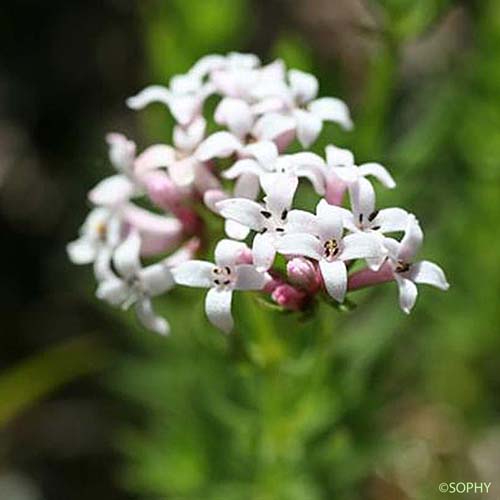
x: 331, y: 248
x: 102, y: 231
x: 368, y: 222
x: 402, y: 267
x: 274, y: 223
x: 223, y: 276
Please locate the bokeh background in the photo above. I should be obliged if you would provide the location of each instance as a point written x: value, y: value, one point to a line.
x: 363, y: 405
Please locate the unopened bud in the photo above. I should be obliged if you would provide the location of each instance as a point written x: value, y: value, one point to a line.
x: 303, y: 273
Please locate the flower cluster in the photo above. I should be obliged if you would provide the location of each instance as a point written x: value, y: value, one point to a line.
x: 262, y: 110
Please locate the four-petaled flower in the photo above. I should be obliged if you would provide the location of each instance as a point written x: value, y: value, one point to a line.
x: 222, y: 278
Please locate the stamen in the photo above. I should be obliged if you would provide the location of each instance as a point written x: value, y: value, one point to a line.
x: 361, y: 218
x: 376, y: 228
x: 266, y: 214
x: 279, y: 230
x: 373, y: 215
x: 228, y: 271
x: 284, y: 214
x: 217, y: 282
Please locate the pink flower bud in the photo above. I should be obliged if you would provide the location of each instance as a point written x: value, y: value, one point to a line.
x: 335, y: 190
x: 303, y: 273
x: 162, y: 190
x: 289, y: 297
x: 366, y: 277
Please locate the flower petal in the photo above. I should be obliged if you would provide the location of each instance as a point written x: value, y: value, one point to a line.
x: 335, y: 278
x: 227, y: 252
x: 82, y: 251
x: 248, y: 278
x: 245, y: 166
x: 304, y: 85
x: 362, y: 246
x: 247, y: 186
x: 218, y: 145
x: 428, y: 273
x: 182, y: 172
x: 300, y: 221
x: 391, y: 219
x: 188, y: 138
x: 121, y: 152
x: 339, y: 157
x: 379, y: 172
x: 113, y: 190
x: 156, y: 279
x: 412, y: 240
x: 407, y: 293
x: 332, y: 110
x: 308, y: 127
x: 362, y: 197
x: 195, y: 273
x: 148, y: 318
x: 236, y: 114
x: 303, y: 244
x: 156, y: 156
x: 236, y: 230
x: 153, y: 93
x: 218, y: 308
x: 265, y: 152
x: 272, y: 126
x: 263, y: 251
x: 280, y: 190
x: 329, y: 221
x: 241, y: 210
x: 114, y: 291
x: 126, y: 257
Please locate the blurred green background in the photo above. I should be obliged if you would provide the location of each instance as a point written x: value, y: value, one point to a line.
x: 363, y: 405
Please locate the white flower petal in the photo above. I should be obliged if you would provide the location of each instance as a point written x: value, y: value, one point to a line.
x: 428, y: 273
x: 335, y: 278
x: 227, y: 252
x: 332, y: 110
x: 248, y: 278
x: 339, y: 157
x: 156, y: 156
x: 114, y: 291
x: 113, y: 190
x: 236, y: 114
x: 391, y: 219
x: 280, y: 190
x: 218, y: 308
x: 235, y: 230
x: 156, y: 279
x: 153, y: 93
x: 412, y: 240
x: 265, y: 152
x: 361, y: 246
x: 300, y: 221
x: 195, y: 273
x: 329, y: 221
x: 407, y: 293
x: 182, y: 172
x: 263, y: 251
x: 245, y: 166
x: 82, y: 251
x: 148, y: 318
x: 185, y: 108
x: 126, y: 257
x: 204, y: 179
x: 241, y: 210
x: 304, y: 85
x: 188, y: 138
x: 121, y: 152
x: 303, y: 244
x: 308, y: 127
x: 379, y: 172
x: 362, y: 197
x: 273, y: 125
x: 247, y: 186
x: 102, y: 265
x: 218, y: 145
x: 212, y: 197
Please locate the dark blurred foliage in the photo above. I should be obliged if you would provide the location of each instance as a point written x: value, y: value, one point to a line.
x: 370, y: 404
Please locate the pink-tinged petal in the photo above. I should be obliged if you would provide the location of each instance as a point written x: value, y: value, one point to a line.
x: 156, y: 279
x: 245, y: 166
x: 227, y: 252
x: 280, y: 190
x: 289, y: 297
x: 212, y: 197
x: 304, y: 85
x: 335, y: 190
x: 412, y: 240
x: 241, y: 210
x: 300, y: 221
x: 264, y: 251
x: 332, y: 110
x: 82, y: 251
x: 121, y: 151
x: 188, y: 138
x: 154, y: 243
x: 185, y: 108
x: 194, y: 273
x: 148, y: 318
x: 329, y: 221
x: 305, y: 245
x: 407, y: 293
x: 235, y: 230
x: 284, y: 140
x: 308, y: 127
x: 428, y: 273
x: 153, y: 93
x: 303, y: 273
x: 114, y: 291
x: 391, y: 219
x: 362, y: 197
x: 339, y: 157
x: 150, y: 222
x: 207, y: 64
x: 156, y: 156
x: 218, y: 308
x: 248, y: 278
x: 379, y: 172
x: 335, y: 278
x: 182, y: 172
x: 361, y: 246
x: 265, y: 152
x: 162, y: 191
x: 204, y: 179
x: 186, y: 252
x: 126, y: 257
x: 247, y: 186
x: 272, y: 104
x: 368, y: 277
x: 236, y: 114
x: 218, y: 145
x: 272, y: 126
x: 114, y: 190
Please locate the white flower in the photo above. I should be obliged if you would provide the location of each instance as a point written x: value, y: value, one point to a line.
x: 304, y: 112
x: 222, y: 278
x: 330, y: 248
x: 135, y: 284
x: 272, y: 219
x: 99, y: 236
x: 263, y: 157
x: 406, y: 271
